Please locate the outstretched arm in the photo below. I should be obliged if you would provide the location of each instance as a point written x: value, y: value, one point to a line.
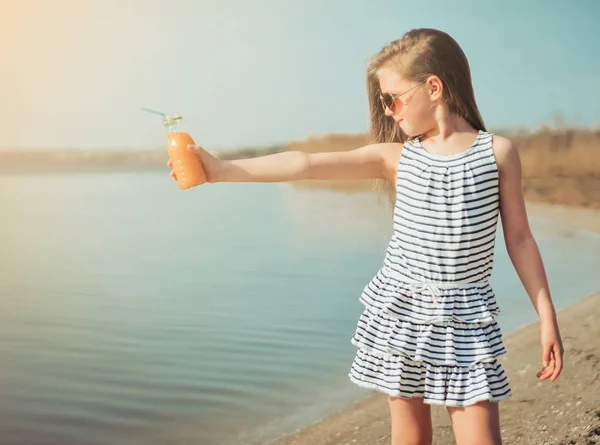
x: 368, y: 162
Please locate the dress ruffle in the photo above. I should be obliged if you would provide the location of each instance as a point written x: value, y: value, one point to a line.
x: 450, y: 344
x: 445, y: 350
x: 399, y: 376
x: 394, y: 298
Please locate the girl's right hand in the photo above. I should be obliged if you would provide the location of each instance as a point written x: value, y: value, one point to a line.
x: 210, y: 164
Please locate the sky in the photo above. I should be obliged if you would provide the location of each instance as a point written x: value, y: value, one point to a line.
x: 243, y: 73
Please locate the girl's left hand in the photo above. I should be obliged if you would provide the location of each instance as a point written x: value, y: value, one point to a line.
x: 552, y: 357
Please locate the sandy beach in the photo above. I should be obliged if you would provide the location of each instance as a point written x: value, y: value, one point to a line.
x: 563, y: 412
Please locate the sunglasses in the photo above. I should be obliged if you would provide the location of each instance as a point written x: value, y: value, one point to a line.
x: 388, y: 100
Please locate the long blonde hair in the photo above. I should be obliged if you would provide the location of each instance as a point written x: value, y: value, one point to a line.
x: 421, y: 53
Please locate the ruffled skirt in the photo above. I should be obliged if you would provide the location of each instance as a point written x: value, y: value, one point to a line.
x: 444, y: 349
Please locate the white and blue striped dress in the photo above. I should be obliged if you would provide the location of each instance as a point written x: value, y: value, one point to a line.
x: 429, y: 326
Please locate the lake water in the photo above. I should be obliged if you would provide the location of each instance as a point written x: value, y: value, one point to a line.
x: 134, y: 313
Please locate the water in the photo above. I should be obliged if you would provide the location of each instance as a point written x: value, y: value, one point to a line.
x: 134, y: 313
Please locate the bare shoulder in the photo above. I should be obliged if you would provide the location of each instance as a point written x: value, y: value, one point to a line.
x: 506, y: 154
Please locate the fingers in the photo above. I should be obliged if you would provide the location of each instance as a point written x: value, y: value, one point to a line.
x: 553, y: 363
x: 553, y: 369
x: 173, y: 175
x: 546, y: 371
x: 546, y: 362
x: 546, y: 357
x: 196, y: 149
x: 557, y: 353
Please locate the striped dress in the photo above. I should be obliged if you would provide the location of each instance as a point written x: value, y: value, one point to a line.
x: 429, y: 326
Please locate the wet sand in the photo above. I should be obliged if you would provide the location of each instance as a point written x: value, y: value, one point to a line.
x: 566, y: 411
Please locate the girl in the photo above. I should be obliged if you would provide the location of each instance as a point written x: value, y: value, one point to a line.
x: 428, y: 333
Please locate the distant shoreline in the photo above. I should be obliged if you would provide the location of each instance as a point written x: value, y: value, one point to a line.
x: 560, y: 166
x: 21, y: 157
x: 27, y: 159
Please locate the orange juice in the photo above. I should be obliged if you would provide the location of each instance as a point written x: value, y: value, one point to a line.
x: 187, y: 166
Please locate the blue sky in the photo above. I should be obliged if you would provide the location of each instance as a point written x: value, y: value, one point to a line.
x: 251, y: 73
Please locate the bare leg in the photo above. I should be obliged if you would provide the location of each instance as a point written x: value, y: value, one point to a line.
x: 477, y: 424
x: 411, y: 421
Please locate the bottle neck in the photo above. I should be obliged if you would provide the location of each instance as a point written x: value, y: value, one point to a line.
x: 174, y: 124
